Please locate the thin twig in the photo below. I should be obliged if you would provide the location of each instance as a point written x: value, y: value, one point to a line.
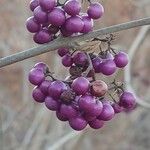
x: 70, y: 42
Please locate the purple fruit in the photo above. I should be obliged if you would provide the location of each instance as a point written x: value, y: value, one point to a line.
x: 96, y: 124
x: 121, y: 59
x: 88, y: 118
x: 51, y: 104
x: 41, y: 65
x: 88, y: 24
x: 68, y: 111
x: 44, y: 86
x: 72, y: 7
x: 80, y: 59
x: 107, y: 112
x: 96, y: 64
x: 127, y: 100
x: 37, y: 95
x: 56, y: 17
x: 32, y: 25
x: 62, y: 51
x: 53, y: 29
x: 60, y: 116
x: 87, y: 103
x: 95, y: 10
x: 34, y: 4
x: 56, y: 88
x: 78, y: 123
x: 65, y: 32
x: 47, y: 5
x: 40, y: 15
x: 74, y: 24
x: 117, y: 108
x: 36, y: 76
x: 43, y: 36
x: 80, y: 85
x: 67, y: 60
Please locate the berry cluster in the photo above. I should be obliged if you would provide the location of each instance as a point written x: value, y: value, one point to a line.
x: 50, y: 18
x: 79, y: 100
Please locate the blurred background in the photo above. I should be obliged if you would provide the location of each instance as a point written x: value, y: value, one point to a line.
x: 26, y: 125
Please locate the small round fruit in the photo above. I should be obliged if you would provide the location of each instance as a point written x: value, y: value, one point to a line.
x: 34, y: 4
x: 37, y: 95
x: 80, y: 85
x: 127, y: 100
x: 60, y: 116
x: 67, y: 60
x: 72, y: 7
x: 32, y: 25
x: 47, y: 5
x: 51, y: 104
x: 99, y: 88
x: 121, y: 59
x: 53, y: 29
x: 78, y: 123
x: 96, y: 64
x: 62, y: 51
x: 107, y: 112
x: 95, y: 10
x: 117, y: 108
x: 44, y: 86
x: 36, y: 76
x: 96, y: 124
x: 42, y: 66
x: 65, y: 32
x: 88, y: 118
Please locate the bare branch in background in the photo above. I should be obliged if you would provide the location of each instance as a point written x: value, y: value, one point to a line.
x: 69, y: 42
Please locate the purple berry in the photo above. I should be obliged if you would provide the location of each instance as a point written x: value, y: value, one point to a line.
x: 44, y: 86
x: 96, y: 124
x: 117, y: 108
x: 32, y: 25
x: 62, y: 51
x: 96, y: 64
x: 56, y: 17
x: 88, y: 118
x: 51, y: 104
x: 127, y: 100
x: 78, y: 123
x: 37, y: 95
x: 80, y: 85
x: 34, y: 4
x: 43, y: 36
x: 65, y: 32
x: 107, y: 112
x: 87, y: 103
x: 53, y: 29
x: 36, y: 76
x: 60, y: 116
x: 80, y: 59
x: 40, y: 15
x: 41, y: 65
x: 47, y: 5
x: 74, y: 24
x: 121, y: 59
x: 56, y: 88
x: 72, y: 7
x: 67, y: 60
x: 88, y: 24
x: 95, y: 10
x: 68, y: 111
x: 108, y: 67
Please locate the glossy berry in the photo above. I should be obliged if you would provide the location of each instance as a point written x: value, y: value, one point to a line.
x: 34, y: 4
x: 80, y: 85
x: 117, y: 108
x: 88, y: 118
x: 56, y: 88
x: 107, y: 112
x: 88, y: 24
x: 80, y: 59
x: 32, y: 25
x: 36, y: 76
x: 37, y: 95
x: 74, y: 24
x: 51, y: 103
x: 60, y: 116
x: 121, y: 59
x: 67, y: 60
x: 42, y: 66
x: 99, y: 88
x: 68, y: 111
x: 65, y: 32
x: 40, y: 15
x: 72, y: 7
x: 44, y: 86
x: 96, y: 64
x: 62, y: 51
x: 78, y: 123
x: 108, y: 67
x: 56, y: 17
x: 87, y: 103
x: 95, y: 10
x: 47, y: 5
x: 127, y: 100
x: 96, y: 124
x: 43, y: 36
